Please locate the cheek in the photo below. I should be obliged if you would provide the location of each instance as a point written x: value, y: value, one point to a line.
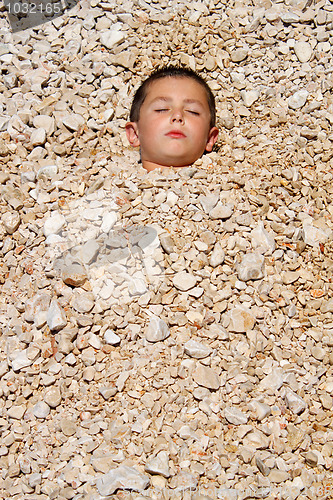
x: 151, y: 127
x: 201, y: 132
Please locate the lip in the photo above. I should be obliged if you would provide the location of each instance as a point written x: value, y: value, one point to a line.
x: 176, y: 134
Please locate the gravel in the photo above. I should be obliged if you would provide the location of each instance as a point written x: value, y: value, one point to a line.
x: 167, y: 334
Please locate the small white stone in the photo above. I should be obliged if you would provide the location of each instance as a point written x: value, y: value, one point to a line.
x: 11, y: 221
x: 314, y: 235
x: 220, y: 211
x: 35, y: 479
x: 49, y: 171
x: 157, y: 330
x: 53, y: 397
x: 235, y: 416
x: 73, y: 122
x: 83, y: 302
x: 303, y: 51
x: 54, y: 224
x: 294, y: 402
x: 159, y: 464
x: 20, y: 360
x: 111, y: 338
x: 111, y: 37
x: 251, y: 267
x: 239, y: 55
x: 273, y: 380
x: 196, y: 349
x: 297, y: 100
x: 241, y: 320
x: 107, y: 392
x: 184, y: 281
x: 261, y: 410
x: 107, y: 290
x: 249, y: 97
x: 70, y: 359
x: 38, y: 137
x: 289, y: 17
x: 41, y: 410
x: 45, y: 122
x: 74, y: 274
x: 108, y: 221
x: 217, y: 256
x: 56, y: 317
x: 137, y: 286
x: 16, y: 411
x: 261, y: 240
x: 88, y: 251
x: 206, y: 377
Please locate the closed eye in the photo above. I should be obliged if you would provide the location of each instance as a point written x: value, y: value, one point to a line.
x: 161, y: 110
x: 192, y: 112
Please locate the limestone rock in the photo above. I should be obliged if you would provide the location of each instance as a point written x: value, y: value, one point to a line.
x: 157, y: 330
x: 206, y: 377
x: 184, y: 281
x: 56, y: 317
x: 251, y: 267
x: 241, y: 320
x: 159, y: 464
x: 122, y: 478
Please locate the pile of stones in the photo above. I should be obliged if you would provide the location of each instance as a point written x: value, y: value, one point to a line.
x: 167, y: 335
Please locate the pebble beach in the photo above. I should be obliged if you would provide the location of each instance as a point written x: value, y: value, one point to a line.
x: 167, y: 335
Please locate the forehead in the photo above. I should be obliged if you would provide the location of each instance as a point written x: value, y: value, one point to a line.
x: 176, y: 86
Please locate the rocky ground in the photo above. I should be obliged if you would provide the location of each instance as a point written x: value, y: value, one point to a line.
x: 167, y: 335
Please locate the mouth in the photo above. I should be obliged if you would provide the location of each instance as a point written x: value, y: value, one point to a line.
x: 176, y: 134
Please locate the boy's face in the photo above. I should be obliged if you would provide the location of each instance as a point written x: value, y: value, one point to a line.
x: 174, y: 124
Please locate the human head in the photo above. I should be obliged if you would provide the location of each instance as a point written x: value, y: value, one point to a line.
x: 172, y: 118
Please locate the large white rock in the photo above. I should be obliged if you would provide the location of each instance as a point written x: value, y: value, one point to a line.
x: 121, y: 478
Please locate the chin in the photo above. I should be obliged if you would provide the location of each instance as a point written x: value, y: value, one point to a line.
x: 180, y: 162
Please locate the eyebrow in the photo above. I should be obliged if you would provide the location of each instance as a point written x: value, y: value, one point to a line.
x: 169, y: 99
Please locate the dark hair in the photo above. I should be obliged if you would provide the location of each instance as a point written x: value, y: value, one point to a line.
x: 141, y: 93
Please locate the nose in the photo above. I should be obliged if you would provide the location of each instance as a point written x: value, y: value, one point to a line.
x: 177, y: 116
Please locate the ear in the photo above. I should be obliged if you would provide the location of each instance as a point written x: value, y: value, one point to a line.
x: 212, y: 138
x: 132, y: 134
